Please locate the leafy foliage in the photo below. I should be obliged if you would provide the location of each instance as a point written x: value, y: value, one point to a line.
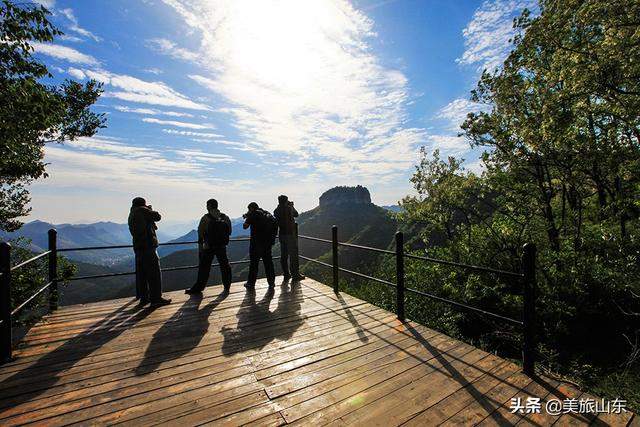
x: 27, y: 280
x: 561, y: 132
x: 33, y: 112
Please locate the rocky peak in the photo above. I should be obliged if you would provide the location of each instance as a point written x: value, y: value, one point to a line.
x: 345, y: 195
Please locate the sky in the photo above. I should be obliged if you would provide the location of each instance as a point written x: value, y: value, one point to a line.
x: 245, y: 100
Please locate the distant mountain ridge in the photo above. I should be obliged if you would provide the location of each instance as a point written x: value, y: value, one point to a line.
x: 359, y: 221
x: 78, y: 235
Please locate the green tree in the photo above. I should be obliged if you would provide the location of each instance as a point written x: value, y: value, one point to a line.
x: 33, y: 112
x: 561, y: 137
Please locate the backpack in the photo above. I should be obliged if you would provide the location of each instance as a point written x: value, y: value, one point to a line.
x: 267, y: 225
x: 218, y: 232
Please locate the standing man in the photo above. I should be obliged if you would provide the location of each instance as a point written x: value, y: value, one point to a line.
x: 142, y: 225
x: 285, y: 214
x: 213, y: 237
x: 263, y: 235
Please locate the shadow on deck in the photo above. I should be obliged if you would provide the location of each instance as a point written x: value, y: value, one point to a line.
x: 298, y: 354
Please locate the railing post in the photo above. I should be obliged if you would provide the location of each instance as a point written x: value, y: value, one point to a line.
x: 53, y: 269
x: 297, y: 252
x: 529, y: 308
x: 334, y: 248
x: 400, y: 275
x: 5, y: 301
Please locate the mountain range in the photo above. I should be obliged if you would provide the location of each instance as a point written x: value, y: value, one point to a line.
x: 359, y: 221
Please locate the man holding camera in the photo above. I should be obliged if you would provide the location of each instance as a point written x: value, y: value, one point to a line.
x: 263, y: 236
x: 285, y: 214
x: 213, y: 237
x: 142, y: 226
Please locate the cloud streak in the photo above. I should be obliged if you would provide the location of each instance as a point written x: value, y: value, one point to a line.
x: 133, y: 89
x: 487, y: 36
x: 64, y: 53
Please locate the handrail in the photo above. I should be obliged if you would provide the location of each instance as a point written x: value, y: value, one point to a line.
x: 468, y: 266
x: 31, y: 298
x: 317, y: 239
x: 423, y: 258
x: 368, y: 248
x: 190, y: 242
x: 29, y: 261
x: 526, y: 278
x: 464, y: 306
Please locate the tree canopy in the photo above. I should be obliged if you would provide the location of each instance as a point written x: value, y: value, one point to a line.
x: 560, y: 129
x: 33, y: 111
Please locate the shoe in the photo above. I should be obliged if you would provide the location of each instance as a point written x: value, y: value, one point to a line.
x: 143, y: 301
x: 160, y: 302
x: 192, y: 291
x: 286, y: 277
x: 227, y: 289
x: 250, y: 286
x: 299, y: 277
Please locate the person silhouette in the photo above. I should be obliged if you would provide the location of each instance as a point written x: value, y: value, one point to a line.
x: 142, y: 226
x: 263, y: 235
x: 213, y: 237
x: 286, y: 214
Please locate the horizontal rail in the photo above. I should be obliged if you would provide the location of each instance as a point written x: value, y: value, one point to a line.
x: 355, y: 273
x: 464, y: 306
x: 31, y: 298
x: 184, y: 267
x: 317, y: 239
x: 35, y: 258
x: 190, y: 242
x: 364, y: 276
x: 423, y: 258
x: 367, y: 248
x: 316, y: 261
x: 98, y: 276
x: 467, y: 266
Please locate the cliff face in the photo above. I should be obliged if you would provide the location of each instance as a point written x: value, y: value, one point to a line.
x: 345, y: 195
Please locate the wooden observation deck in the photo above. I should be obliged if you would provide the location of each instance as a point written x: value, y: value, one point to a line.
x: 299, y: 355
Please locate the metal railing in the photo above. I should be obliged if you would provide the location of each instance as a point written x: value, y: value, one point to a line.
x: 526, y: 278
x: 7, y: 313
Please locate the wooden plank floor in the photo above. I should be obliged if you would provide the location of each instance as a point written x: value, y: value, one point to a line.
x: 300, y: 355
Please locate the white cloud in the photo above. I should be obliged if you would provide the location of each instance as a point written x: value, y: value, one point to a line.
x: 70, y: 38
x: 49, y: 4
x: 64, y: 53
x: 151, y: 111
x: 301, y: 79
x: 75, y: 72
x: 177, y: 124
x: 156, y: 71
x: 487, y: 34
x: 200, y: 156
x: 448, y: 145
x: 133, y: 89
x: 189, y: 133
x: 168, y: 47
x: 75, y: 27
x: 456, y: 112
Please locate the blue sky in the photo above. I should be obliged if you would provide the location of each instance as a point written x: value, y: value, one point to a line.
x: 244, y: 100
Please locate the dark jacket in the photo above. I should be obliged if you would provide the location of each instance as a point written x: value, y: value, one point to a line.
x: 261, y: 231
x: 285, y: 215
x: 204, y: 226
x: 143, y: 228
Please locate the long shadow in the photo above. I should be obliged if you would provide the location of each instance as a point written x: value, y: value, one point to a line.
x: 456, y: 375
x: 47, y: 368
x: 179, y: 334
x: 256, y: 322
x: 363, y: 337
